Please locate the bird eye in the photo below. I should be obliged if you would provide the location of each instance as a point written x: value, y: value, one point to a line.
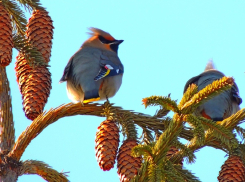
x: 104, y: 41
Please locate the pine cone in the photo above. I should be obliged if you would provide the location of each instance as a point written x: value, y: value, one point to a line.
x: 35, y: 86
x: 35, y: 83
x: 106, y: 144
x: 232, y: 170
x: 40, y: 32
x: 6, y: 39
x: 127, y: 165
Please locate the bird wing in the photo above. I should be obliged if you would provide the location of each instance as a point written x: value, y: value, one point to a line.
x: 66, y: 71
x: 108, y: 68
x: 189, y: 82
x: 235, y: 94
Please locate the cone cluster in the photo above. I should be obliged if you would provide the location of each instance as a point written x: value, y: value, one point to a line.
x: 127, y: 165
x: 106, y: 144
x: 232, y: 170
x: 35, y: 83
x: 6, y: 39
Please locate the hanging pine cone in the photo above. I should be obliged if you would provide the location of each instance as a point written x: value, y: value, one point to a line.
x: 233, y: 170
x: 6, y: 39
x: 35, y: 86
x: 40, y: 32
x: 127, y: 165
x: 35, y: 83
x: 106, y: 144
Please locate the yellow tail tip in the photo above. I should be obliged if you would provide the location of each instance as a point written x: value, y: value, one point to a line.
x: 91, y: 100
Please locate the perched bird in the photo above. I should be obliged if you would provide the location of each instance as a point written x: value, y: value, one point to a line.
x: 222, y: 105
x: 95, y: 71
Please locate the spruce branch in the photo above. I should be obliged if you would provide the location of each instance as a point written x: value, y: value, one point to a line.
x: 184, y: 152
x: 165, y: 102
x: 143, y: 150
x: 43, y: 170
x: 207, y: 93
x: 7, y: 131
x: 166, y: 140
x: 142, y: 175
x: 234, y: 120
x: 241, y: 132
x: 226, y: 136
x: 190, y: 92
x: 183, y: 173
x: 161, y: 112
x: 199, y: 133
x: 17, y: 15
x: 49, y: 117
x: 146, y: 136
x: 32, y: 55
x: 31, y: 4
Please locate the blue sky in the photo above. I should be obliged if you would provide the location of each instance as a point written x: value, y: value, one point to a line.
x: 165, y: 44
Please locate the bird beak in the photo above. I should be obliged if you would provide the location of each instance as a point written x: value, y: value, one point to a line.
x: 118, y: 42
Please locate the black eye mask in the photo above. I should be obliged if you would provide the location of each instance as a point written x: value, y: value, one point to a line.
x: 105, y: 41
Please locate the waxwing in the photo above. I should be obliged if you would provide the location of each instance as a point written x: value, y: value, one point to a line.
x: 95, y: 71
x: 222, y: 105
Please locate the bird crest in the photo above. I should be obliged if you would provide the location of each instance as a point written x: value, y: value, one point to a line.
x: 99, y: 32
x: 210, y: 65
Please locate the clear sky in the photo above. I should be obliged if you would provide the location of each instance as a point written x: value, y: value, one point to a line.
x: 166, y: 43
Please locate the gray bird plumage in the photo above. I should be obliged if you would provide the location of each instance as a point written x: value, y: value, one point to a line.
x: 85, y: 65
x: 221, y: 106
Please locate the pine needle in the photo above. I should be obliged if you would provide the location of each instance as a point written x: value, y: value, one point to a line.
x: 234, y: 120
x: 32, y: 55
x: 17, y: 15
x: 31, y: 4
x: 165, y: 102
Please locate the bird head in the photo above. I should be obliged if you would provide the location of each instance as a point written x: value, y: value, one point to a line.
x: 102, y: 40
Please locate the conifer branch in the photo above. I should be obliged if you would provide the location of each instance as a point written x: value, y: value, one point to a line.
x: 143, y: 150
x: 7, y: 131
x: 183, y: 152
x: 49, y: 117
x: 146, y: 136
x: 199, y: 134
x: 190, y: 92
x: 32, y: 55
x: 17, y: 15
x: 165, y: 102
x: 142, y: 175
x: 183, y: 173
x: 234, y: 120
x: 166, y: 140
x: 43, y: 170
x: 207, y: 93
x: 31, y: 4
x: 241, y: 132
x: 226, y: 136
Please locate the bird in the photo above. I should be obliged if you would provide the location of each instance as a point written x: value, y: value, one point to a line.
x: 94, y: 72
x: 221, y: 106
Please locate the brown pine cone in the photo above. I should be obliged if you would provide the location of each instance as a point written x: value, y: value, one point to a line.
x: 40, y: 32
x: 233, y: 170
x: 6, y: 39
x: 35, y: 86
x: 106, y: 144
x: 127, y: 165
